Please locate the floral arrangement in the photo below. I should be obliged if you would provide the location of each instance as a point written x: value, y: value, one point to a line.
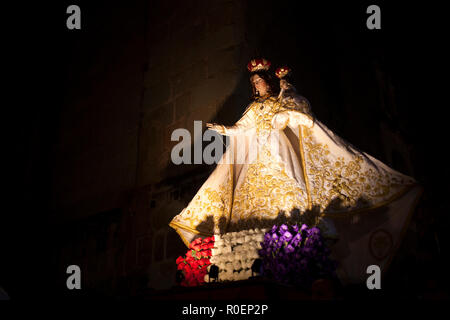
x: 194, y: 265
x: 297, y: 256
x: 289, y: 254
x: 235, y: 252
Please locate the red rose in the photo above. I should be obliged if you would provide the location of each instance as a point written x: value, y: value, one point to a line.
x: 190, y: 254
x: 205, y: 261
x: 195, y: 264
x: 197, y: 247
x: 187, y: 269
x: 209, y: 240
x: 201, y: 275
x: 180, y: 259
x: 197, y: 273
x: 202, y: 262
x: 190, y: 279
x: 208, y: 245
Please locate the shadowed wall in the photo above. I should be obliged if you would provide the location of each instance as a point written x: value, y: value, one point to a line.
x: 134, y: 74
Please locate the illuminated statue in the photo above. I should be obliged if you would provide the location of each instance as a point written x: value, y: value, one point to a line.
x: 283, y: 163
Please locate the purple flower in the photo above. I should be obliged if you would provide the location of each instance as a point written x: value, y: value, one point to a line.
x: 295, y: 258
x: 286, y: 237
x: 296, y: 239
x: 289, y: 249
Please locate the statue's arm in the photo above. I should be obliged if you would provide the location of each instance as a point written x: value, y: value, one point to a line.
x: 246, y: 122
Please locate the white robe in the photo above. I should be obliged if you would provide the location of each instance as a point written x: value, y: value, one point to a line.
x: 285, y: 165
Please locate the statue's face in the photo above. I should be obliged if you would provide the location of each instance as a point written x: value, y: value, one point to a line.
x: 260, y: 85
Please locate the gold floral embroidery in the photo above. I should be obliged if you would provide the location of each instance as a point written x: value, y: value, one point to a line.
x: 267, y: 190
x: 339, y: 184
x: 208, y: 209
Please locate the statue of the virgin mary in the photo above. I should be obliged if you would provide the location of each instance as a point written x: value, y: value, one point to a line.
x: 283, y: 165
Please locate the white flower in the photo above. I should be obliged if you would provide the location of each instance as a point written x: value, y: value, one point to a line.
x: 216, y: 259
x: 215, y: 251
x: 227, y: 275
x: 222, y: 276
x: 206, y: 278
x: 229, y: 256
x: 237, y: 265
x: 237, y: 256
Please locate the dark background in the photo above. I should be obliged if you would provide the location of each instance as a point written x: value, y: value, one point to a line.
x: 84, y: 176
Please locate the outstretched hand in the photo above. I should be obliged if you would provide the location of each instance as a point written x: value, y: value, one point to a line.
x: 216, y: 127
